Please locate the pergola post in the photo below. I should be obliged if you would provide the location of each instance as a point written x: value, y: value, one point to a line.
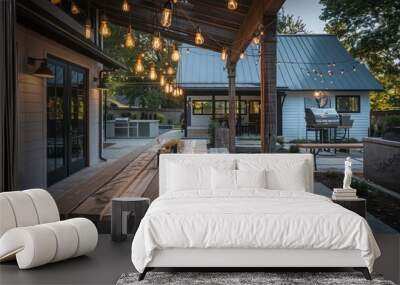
x: 231, y: 66
x: 268, y: 120
x: 8, y: 97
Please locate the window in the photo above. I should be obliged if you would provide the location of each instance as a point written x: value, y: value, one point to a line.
x: 221, y: 107
x: 348, y: 104
x: 254, y: 107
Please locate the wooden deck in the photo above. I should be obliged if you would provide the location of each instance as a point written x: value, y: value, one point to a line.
x: 136, y: 174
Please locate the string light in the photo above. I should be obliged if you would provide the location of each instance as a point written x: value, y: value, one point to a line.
x: 198, y: 39
x: 170, y: 70
x: 232, y: 4
x: 75, y: 10
x: 139, y: 68
x: 224, y: 54
x: 180, y: 91
x: 125, y: 6
x: 153, y: 73
x: 87, y: 32
x: 55, y: 2
x: 104, y: 28
x: 129, y: 38
x: 242, y: 55
x: 256, y: 40
x: 162, y: 80
x: 175, y: 54
x: 166, y: 17
x: 157, y: 42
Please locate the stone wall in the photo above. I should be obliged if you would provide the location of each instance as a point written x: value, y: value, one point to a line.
x: 382, y: 162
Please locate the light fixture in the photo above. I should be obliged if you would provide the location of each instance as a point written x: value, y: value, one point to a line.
x: 87, y: 32
x: 166, y: 17
x: 162, y: 80
x: 242, y: 55
x: 153, y: 73
x: 55, y: 2
x: 170, y: 70
x: 232, y: 4
x: 168, y: 88
x: 75, y: 10
x: 175, y: 54
x: 139, y: 68
x: 224, y: 54
x: 102, y: 83
x: 198, y: 39
x: 256, y: 40
x: 43, y: 71
x: 157, y: 41
x: 317, y: 94
x: 129, y: 38
x: 180, y: 91
x: 104, y: 27
x: 125, y: 6
x: 175, y: 92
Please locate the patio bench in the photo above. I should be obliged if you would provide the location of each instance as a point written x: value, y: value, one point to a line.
x: 313, y: 147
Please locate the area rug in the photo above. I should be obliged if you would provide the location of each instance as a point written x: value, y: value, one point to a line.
x: 244, y: 278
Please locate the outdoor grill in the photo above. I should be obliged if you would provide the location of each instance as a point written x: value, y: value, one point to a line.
x: 318, y: 118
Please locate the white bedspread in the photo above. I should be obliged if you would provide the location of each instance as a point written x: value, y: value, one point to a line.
x: 250, y: 219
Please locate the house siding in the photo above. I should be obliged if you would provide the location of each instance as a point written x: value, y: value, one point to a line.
x: 294, y: 125
x: 32, y: 101
x: 293, y: 114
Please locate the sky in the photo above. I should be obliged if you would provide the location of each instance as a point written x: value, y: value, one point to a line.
x: 309, y: 11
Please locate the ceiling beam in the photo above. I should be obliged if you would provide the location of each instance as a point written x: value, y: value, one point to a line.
x: 250, y: 24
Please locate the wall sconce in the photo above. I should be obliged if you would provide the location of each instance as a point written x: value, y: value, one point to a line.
x: 43, y: 71
x: 102, y: 81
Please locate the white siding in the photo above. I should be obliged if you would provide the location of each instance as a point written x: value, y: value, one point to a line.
x: 32, y: 101
x: 293, y: 116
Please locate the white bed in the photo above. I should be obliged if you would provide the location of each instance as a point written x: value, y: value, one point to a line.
x: 225, y: 225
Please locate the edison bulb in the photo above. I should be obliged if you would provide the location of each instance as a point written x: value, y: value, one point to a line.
x: 156, y: 42
x: 224, y: 54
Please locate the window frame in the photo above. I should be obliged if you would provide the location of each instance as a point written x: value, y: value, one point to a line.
x: 358, y: 98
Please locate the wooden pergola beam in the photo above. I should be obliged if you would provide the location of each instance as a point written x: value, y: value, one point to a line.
x: 268, y: 66
x: 251, y: 23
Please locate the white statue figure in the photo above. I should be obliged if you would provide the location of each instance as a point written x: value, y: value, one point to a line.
x: 347, y: 174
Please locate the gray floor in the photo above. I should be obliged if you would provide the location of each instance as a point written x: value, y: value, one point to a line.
x: 106, y: 264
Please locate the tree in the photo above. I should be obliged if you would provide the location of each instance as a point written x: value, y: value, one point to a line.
x: 370, y: 30
x: 288, y: 24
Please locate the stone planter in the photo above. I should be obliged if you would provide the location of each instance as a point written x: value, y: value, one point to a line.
x: 382, y: 162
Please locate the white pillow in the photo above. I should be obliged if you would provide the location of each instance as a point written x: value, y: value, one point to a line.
x: 291, y: 177
x: 223, y: 179
x: 251, y: 178
x: 183, y: 177
x: 281, y: 174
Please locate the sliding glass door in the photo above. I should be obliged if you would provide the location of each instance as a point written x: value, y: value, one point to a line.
x: 66, y: 120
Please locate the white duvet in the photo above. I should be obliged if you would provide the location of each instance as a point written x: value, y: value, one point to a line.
x: 250, y: 219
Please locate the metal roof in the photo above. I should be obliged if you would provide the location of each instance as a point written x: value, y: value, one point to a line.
x: 304, y: 63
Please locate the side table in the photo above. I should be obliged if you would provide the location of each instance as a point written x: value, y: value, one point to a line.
x: 122, y: 209
x: 357, y: 205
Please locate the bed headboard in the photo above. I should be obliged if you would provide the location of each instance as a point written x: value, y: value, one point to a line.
x: 209, y: 159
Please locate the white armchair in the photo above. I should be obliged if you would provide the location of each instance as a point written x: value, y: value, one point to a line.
x: 31, y: 230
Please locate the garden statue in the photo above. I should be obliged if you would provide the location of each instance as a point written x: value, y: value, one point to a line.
x: 347, y: 174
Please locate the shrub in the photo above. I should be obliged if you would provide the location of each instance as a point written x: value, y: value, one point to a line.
x: 390, y: 121
x: 160, y: 117
x: 294, y: 149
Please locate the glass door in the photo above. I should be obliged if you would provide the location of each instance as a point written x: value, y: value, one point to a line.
x: 56, y: 123
x: 66, y: 120
x: 77, y: 118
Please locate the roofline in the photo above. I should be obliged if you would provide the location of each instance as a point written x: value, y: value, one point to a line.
x: 223, y: 88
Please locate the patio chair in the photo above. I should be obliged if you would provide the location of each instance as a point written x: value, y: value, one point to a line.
x: 31, y: 231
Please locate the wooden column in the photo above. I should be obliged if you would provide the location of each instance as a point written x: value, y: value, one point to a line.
x: 186, y: 106
x: 268, y: 114
x: 8, y: 97
x: 232, y: 112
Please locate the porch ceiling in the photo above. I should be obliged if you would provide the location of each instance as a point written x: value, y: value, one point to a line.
x: 220, y: 27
